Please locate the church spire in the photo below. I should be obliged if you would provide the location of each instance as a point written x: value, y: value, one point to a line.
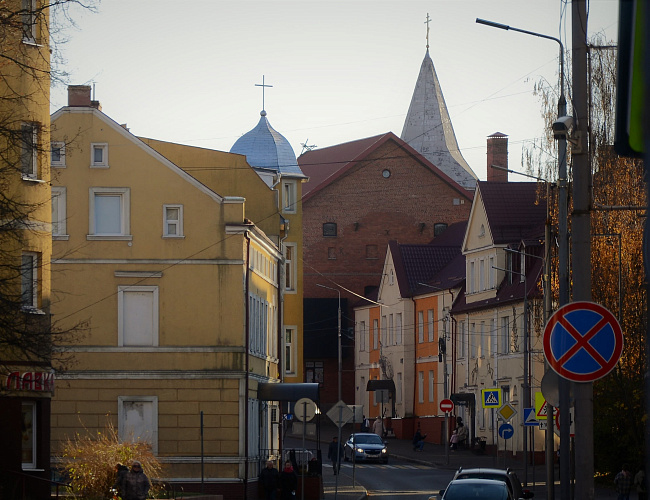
x: 428, y: 128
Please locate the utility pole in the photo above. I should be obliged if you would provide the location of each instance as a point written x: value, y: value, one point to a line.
x: 581, y: 244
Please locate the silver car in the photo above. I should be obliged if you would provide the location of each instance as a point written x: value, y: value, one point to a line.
x: 365, y: 446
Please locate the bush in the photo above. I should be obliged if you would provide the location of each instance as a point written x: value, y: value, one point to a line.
x: 89, y: 462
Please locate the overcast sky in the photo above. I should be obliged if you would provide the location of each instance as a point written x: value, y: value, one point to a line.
x: 340, y: 71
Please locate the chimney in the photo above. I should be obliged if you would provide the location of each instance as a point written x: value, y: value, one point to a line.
x: 497, y: 154
x: 79, y: 95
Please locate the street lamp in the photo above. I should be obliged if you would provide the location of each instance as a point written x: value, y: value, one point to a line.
x: 338, y: 461
x: 563, y: 273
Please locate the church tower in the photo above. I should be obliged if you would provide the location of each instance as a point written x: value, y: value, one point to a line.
x: 428, y: 128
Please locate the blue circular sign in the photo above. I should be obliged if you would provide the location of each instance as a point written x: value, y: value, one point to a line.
x: 506, y: 431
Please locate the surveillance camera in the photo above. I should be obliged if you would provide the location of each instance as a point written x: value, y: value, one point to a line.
x: 562, y: 127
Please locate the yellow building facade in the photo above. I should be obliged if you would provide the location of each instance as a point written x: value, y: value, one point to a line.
x: 173, y: 255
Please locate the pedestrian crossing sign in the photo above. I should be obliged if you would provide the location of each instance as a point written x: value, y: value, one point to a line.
x: 491, y: 398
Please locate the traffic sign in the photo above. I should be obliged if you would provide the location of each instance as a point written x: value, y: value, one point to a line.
x: 506, y: 412
x: 529, y: 417
x: 305, y: 409
x: 447, y: 405
x: 583, y: 341
x: 340, y: 414
x: 506, y: 431
x: 572, y: 424
x: 491, y: 398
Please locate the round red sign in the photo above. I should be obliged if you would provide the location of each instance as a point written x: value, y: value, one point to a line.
x: 447, y: 405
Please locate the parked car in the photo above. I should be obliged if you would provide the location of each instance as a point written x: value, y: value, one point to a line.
x: 480, y: 489
x: 365, y: 446
x: 505, y: 475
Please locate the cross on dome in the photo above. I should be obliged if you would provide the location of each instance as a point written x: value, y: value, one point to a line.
x: 263, y: 86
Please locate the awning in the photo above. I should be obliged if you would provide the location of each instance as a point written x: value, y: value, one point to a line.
x: 380, y: 385
x: 287, y: 392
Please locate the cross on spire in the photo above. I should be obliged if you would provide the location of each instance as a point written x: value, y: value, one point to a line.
x: 427, y: 23
x: 263, y: 86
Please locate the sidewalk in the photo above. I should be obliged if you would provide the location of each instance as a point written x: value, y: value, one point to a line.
x: 435, y: 455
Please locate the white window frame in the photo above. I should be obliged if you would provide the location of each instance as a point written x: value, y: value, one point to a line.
x: 483, y: 339
x: 60, y: 163
x: 375, y: 334
x: 33, y: 431
x: 29, y: 21
x: 491, y: 274
x: 391, y: 330
x: 462, y: 351
x: 505, y: 335
x: 59, y: 213
x: 420, y: 327
x: 431, y: 385
x: 420, y: 387
x: 29, y: 281
x: 290, y: 269
x: 125, y: 213
x: 384, y: 331
x: 472, y: 282
x: 290, y: 350
x: 167, y: 222
x: 289, y: 197
x: 481, y: 275
x: 473, y: 347
x: 103, y: 146
x: 398, y: 328
x: 430, y: 324
x: 120, y: 313
x: 493, y: 338
x: 29, y: 133
x: 152, y: 426
x: 362, y: 336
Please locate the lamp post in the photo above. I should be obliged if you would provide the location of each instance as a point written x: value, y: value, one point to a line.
x: 563, y: 276
x: 338, y: 461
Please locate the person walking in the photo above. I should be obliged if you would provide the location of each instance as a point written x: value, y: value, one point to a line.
x: 288, y: 482
x: 418, y: 440
x: 378, y: 427
x: 623, y: 482
x: 454, y: 440
x: 335, y: 454
x: 640, y: 484
x: 270, y: 481
x: 135, y: 484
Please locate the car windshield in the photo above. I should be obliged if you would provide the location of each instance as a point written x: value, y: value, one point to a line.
x: 485, y: 491
x: 367, y: 439
x: 485, y: 475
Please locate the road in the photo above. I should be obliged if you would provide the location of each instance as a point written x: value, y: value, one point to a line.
x: 396, y: 480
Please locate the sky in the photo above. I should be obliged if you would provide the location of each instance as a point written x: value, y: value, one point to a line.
x: 340, y: 71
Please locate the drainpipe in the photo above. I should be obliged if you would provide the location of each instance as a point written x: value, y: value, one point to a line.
x: 415, y: 356
x: 246, y: 363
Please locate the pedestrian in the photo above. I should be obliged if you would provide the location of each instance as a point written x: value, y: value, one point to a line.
x: 454, y: 440
x: 288, y: 482
x: 365, y: 424
x: 378, y: 427
x: 640, y: 484
x: 270, y: 481
x: 136, y: 483
x: 335, y: 454
x: 462, y: 433
x: 623, y: 482
x: 418, y: 440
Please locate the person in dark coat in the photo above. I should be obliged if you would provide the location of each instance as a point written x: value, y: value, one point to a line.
x: 418, y: 440
x: 288, y: 482
x: 335, y: 454
x: 136, y: 483
x: 270, y: 481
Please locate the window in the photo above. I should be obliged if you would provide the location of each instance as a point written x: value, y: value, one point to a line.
x: 290, y: 267
x: 472, y: 340
x: 462, y: 352
x: 398, y: 389
x: 362, y: 336
x: 384, y: 331
x: 314, y: 372
x: 522, y: 267
x: 398, y: 328
x: 481, y: 275
x: 110, y: 213
x: 420, y: 387
x: 172, y: 221
x: 472, y: 286
x: 375, y: 334
x: 289, y: 197
x: 29, y: 21
x: 138, y: 419
x: 29, y: 433
x: 491, y: 280
x: 289, y: 350
x: 431, y: 386
x: 59, y: 225
x: 509, y: 266
x: 439, y: 228
x: 29, y: 151
x: 29, y: 280
x: 57, y: 154
x: 505, y: 335
x: 137, y: 316
x: 372, y: 252
x: 331, y: 253
x: 391, y: 330
x: 483, y: 339
x: 420, y: 326
x: 99, y: 155
x: 430, y: 324
x: 493, y: 337
x: 258, y: 324
x: 329, y: 229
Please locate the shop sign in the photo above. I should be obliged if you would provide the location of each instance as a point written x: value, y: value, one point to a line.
x: 30, y: 381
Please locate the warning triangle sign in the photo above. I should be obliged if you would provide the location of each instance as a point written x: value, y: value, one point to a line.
x: 542, y: 412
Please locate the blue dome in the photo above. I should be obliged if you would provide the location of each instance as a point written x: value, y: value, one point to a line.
x: 264, y: 147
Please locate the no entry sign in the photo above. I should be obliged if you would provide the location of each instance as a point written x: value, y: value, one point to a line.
x: 447, y: 405
x: 583, y: 341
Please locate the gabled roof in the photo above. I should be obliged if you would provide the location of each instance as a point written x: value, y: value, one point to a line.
x: 514, y: 210
x: 324, y: 166
x: 453, y: 235
x: 416, y: 264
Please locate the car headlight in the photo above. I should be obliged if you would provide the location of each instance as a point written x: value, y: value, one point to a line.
x: 359, y: 450
x: 384, y: 450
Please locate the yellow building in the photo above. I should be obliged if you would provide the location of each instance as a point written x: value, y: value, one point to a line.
x: 172, y: 254
x: 25, y: 247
